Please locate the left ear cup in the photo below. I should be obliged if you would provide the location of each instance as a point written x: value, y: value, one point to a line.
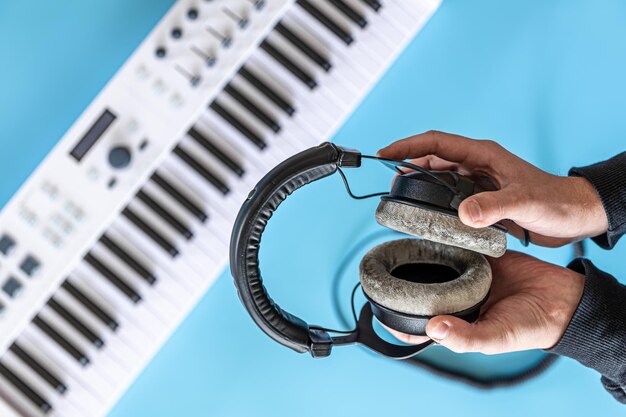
x: 410, y: 280
x: 440, y: 227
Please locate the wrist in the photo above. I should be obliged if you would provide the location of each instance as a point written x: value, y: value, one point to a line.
x: 573, y: 284
x: 592, y: 216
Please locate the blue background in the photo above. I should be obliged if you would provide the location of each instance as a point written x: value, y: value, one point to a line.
x: 545, y: 79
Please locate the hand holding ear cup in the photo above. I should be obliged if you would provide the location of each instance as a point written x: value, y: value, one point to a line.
x: 421, y: 207
x: 408, y: 281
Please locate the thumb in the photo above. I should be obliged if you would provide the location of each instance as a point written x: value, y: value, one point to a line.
x: 460, y: 336
x: 487, y: 208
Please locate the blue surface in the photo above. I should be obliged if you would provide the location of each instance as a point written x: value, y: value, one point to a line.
x: 545, y: 79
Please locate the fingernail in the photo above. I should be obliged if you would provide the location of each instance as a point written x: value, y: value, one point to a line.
x: 474, y: 210
x: 440, y: 331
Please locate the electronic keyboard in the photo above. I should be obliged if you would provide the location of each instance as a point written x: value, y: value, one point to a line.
x: 126, y: 223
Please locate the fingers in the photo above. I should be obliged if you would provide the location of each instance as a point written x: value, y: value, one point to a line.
x: 446, y: 146
x: 485, y: 336
x: 487, y: 208
x: 406, y: 338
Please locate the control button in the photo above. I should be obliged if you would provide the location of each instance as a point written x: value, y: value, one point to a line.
x: 160, y: 52
x: 177, y: 33
x: 12, y: 287
x: 119, y: 157
x: 30, y: 265
x: 192, y: 14
x: 7, y: 244
x: 1, y: 310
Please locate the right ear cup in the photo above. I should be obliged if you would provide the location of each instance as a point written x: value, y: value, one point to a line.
x: 439, y: 227
x: 408, y: 281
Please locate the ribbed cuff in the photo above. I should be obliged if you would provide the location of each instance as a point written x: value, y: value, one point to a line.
x: 609, y: 180
x: 596, y: 335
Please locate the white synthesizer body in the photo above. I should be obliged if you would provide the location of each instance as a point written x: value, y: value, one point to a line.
x: 126, y: 223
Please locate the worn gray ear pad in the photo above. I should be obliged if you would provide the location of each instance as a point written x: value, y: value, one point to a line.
x: 417, y: 294
x: 440, y: 227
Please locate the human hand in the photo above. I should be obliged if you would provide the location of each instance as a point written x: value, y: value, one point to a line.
x: 555, y: 210
x: 530, y: 305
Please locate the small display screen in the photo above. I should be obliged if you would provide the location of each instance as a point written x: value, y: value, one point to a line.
x: 92, y: 135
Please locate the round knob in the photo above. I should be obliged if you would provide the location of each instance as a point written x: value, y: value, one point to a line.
x: 119, y: 157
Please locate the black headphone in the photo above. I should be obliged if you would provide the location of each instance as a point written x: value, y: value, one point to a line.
x: 406, y: 282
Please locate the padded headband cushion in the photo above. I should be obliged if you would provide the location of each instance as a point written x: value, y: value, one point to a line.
x: 440, y: 227
x: 424, y: 299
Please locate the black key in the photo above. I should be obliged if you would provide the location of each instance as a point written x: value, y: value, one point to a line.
x: 72, y: 350
x: 205, y: 173
x: 374, y: 4
x: 162, y: 212
x: 238, y: 125
x: 91, y: 305
x: 325, y: 20
x: 25, y: 389
x: 349, y: 12
x: 267, y: 91
x: 76, y: 323
x: 36, y: 366
x: 133, y: 263
x: 152, y: 234
x: 184, y: 201
x: 113, y: 278
x: 303, y: 46
x: 252, y: 108
x: 291, y: 66
x: 203, y: 141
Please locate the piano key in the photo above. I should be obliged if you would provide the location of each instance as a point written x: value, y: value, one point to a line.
x: 289, y: 65
x: 102, y: 361
x: 40, y: 403
x: 162, y: 301
x: 113, y: 278
x: 149, y: 231
x: 287, y: 122
x: 203, y: 172
x: 349, y: 12
x: 164, y: 214
x: 179, y: 196
x: 238, y: 125
x: 310, y: 29
x: 374, y: 4
x: 135, y: 315
x: 131, y: 261
x: 77, y: 323
x: 326, y: 21
x: 39, y: 368
x: 80, y: 380
x: 118, y: 341
x: 185, y: 177
x: 343, y: 88
x: 327, y: 106
x: 209, y: 144
x: 305, y: 47
x: 91, y: 305
x: 188, y: 278
x: 63, y: 405
x: 53, y: 334
x: 268, y: 91
x: 192, y: 249
x: 252, y: 107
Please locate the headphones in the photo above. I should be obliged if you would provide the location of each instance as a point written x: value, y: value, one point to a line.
x: 406, y: 281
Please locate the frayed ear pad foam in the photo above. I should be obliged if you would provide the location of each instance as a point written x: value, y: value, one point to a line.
x: 440, y: 227
x: 424, y: 299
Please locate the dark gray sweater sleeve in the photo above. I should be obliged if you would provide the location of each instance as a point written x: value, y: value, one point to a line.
x: 596, y: 335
